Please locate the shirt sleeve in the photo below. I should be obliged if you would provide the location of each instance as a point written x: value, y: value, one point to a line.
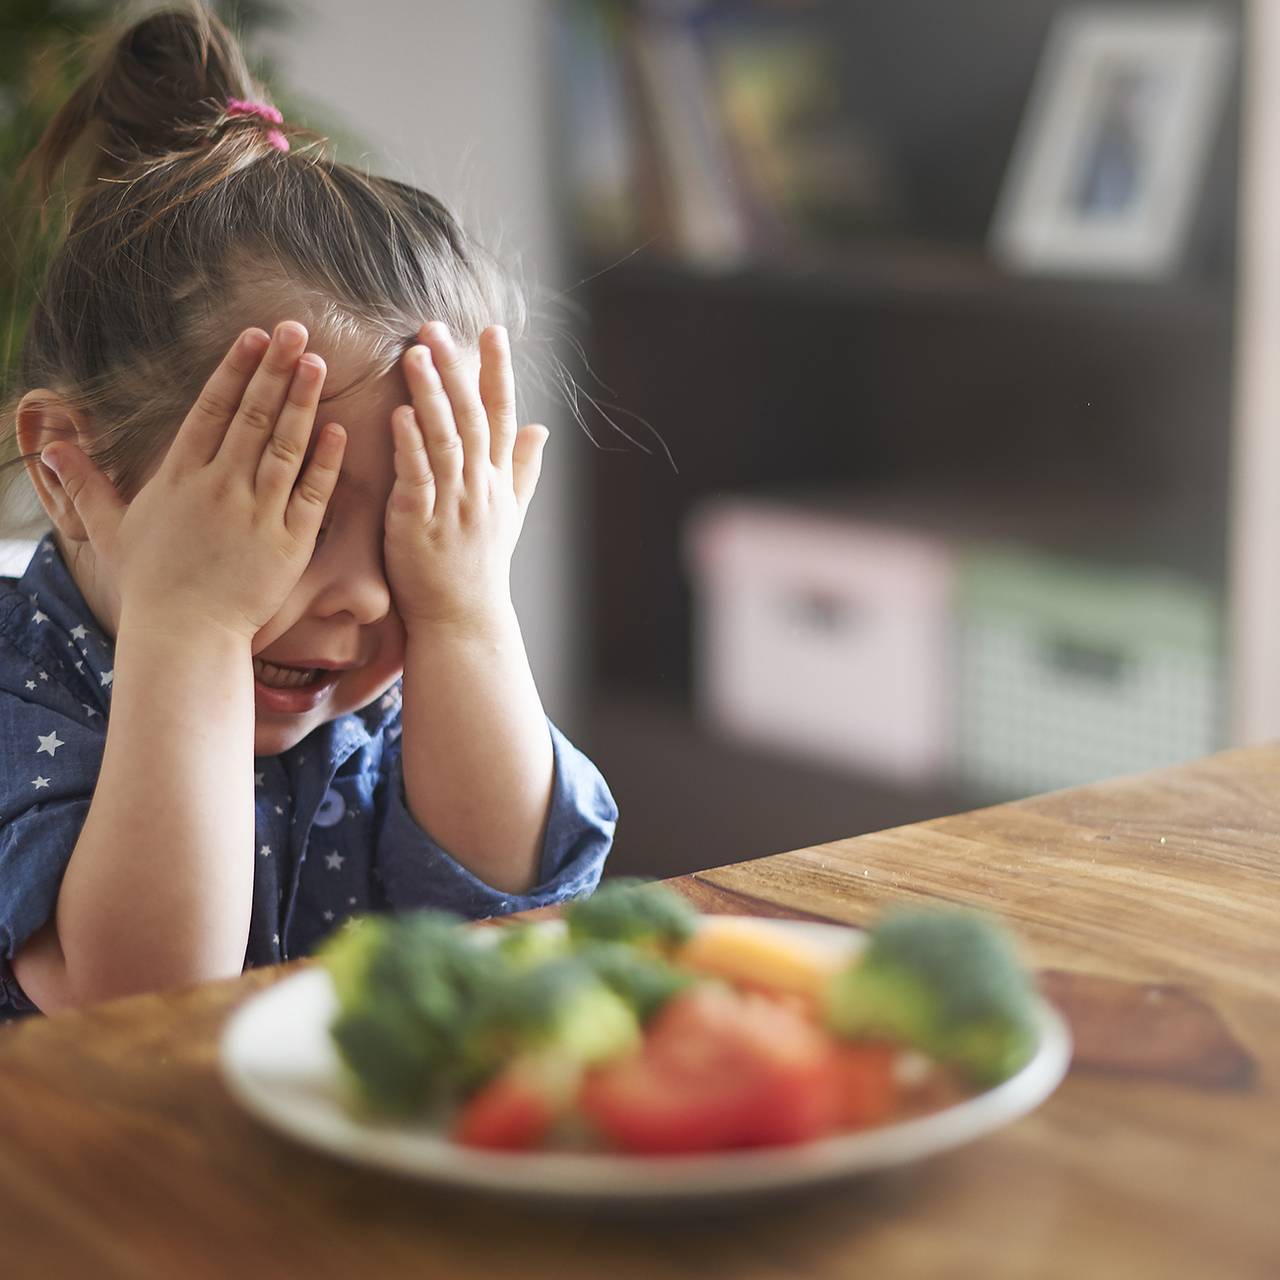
x: 49, y: 763
x: 416, y: 872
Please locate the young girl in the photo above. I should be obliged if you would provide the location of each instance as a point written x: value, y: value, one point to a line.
x: 264, y: 672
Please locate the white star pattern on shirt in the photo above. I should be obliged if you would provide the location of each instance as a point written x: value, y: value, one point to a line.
x: 79, y: 666
x: 49, y: 742
x: 39, y: 617
x: 31, y: 684
x: 351, y: 901
x: 78, y: 633
x: 279, y: 809
x: 39, y: 783
x: 275, y: 937
x: 266, y: 851
x: 90, y: 711
x: 334, y: 861
x: 44, y: 675
x: 105, y: 677
x: 328, y: 915
x: 257, y: 779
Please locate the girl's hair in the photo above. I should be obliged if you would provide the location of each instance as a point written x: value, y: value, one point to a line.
x: 186, y: 212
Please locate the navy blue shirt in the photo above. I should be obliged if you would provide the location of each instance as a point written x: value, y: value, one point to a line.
x: 333, y: 835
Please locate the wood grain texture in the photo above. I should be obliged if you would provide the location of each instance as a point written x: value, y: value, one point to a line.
x: 1151, y: 906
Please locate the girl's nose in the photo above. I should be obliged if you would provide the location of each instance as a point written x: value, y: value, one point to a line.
x: 355, y: 587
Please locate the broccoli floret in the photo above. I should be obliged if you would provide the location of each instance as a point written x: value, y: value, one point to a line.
x: 348, y: 954
x: 526, y: 945
x: 636, y: 911
x: 407, y: 993
x: 559, y: 1005
x: 428, y: 1009
x: 644, y: 980
x: 948, y: 983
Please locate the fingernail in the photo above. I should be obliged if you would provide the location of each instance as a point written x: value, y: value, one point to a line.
x: 420, y: 357
x: 290, y: 332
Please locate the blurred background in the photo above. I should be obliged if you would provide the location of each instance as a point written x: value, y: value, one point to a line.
x: 916, y: 448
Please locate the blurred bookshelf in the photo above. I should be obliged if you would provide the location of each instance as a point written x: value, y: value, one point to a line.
x: 878, y: 354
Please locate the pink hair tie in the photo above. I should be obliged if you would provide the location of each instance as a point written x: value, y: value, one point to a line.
x: 264, y: 111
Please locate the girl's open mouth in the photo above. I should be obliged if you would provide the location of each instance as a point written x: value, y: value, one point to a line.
x: 290, y: 689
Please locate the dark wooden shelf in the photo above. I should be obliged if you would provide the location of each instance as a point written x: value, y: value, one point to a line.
x: 895, y: 273
x: 689, y: 800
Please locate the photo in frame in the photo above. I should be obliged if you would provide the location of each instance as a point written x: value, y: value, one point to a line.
x: 1110, y: 157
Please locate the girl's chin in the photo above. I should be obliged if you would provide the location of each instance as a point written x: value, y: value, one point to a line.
x: 271, y: 740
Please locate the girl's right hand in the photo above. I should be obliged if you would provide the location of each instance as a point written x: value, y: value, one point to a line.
x: 220, y: 534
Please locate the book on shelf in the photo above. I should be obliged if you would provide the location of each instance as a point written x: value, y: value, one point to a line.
x: 600, y: 163
x: 718, y: 132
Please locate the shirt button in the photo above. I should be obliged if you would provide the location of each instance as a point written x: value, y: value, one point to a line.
x: 332, y: 807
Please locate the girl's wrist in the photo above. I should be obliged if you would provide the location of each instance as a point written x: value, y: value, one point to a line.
x: 187, y: 629
x: 469, y: 626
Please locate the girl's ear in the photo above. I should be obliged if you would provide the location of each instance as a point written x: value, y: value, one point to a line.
x: 43, y: 417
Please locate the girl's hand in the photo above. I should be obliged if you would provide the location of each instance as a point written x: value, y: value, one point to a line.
x: 464, y: 478
x: 220, y: 534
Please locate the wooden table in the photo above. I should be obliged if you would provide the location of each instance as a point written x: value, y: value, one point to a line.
x: 1151, y: 906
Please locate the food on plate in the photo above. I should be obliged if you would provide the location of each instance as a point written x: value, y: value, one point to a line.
x: 426, y: 1014
x: 754, y: 953
x: 719, y: 1068
x: 947, y: 983
x: 629, y: 910
x: 640, y: 1026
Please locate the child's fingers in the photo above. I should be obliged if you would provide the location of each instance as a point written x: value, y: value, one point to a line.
x: 435, y: 418
x: 414, y: 492
x: 282, y: 458
x: 203, y: 428
x: 310, y: 497
x: 461, y: 387
x: 526, y: 466
x: 498, y: 394
x: 93, y: 495
x: 255, y: 419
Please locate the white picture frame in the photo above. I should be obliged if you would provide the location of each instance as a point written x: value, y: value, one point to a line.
x: 1111, y: 153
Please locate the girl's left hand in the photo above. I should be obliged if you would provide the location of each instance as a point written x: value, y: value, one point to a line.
x: 464, y: 478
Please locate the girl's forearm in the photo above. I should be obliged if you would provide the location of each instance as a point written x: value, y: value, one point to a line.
x: 478, y: 762
x: 159, y: 888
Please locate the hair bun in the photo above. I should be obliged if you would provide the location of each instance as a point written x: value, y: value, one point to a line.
x: 159, y: 86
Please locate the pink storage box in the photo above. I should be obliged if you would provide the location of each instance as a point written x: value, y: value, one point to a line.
x: 824, y: 636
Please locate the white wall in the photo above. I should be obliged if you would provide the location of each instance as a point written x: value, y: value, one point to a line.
x: 1255, y: 543
x: 454, y: 96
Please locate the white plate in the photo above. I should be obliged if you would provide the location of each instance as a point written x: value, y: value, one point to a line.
x: 279, y: 1062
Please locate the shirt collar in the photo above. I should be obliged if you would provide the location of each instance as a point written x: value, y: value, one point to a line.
x: 55, y: 597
